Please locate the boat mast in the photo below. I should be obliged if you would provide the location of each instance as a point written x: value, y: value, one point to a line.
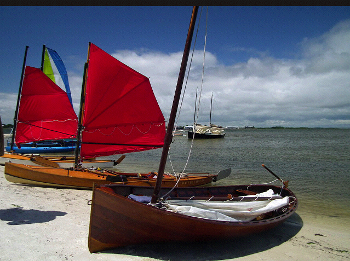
x: 1, y: 139
x: 18, y: 99
x: 42, y: 58
x: 82, y: 103
x: 169, y: 133
x: 211, y: 107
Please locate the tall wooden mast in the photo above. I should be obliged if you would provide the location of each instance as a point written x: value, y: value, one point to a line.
x: 82, y: 103
x: 169, y: 133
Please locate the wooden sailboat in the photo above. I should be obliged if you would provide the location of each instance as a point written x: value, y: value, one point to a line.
x: 117, y: 220
x: 206, y: 132
x: 118, y: 114
x: 85, y: 179
x: 129, y: 215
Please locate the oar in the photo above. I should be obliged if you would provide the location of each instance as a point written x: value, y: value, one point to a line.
x: 285, y: 183
x: 119, y: 160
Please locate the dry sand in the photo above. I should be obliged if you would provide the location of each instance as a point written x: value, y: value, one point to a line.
x: 52, y: 224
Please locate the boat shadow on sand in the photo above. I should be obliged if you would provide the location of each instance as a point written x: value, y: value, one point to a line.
x: 218, y: 250
x: 20, y: 216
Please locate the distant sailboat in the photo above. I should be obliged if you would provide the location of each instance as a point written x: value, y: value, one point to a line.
x: 206, y: 132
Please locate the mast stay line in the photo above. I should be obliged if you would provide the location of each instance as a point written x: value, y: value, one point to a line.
x: 169, y: 133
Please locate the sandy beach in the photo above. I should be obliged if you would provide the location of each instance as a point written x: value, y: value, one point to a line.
x: 39, y: 223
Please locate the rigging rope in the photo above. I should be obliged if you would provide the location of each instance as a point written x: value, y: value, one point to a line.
x: 197, y: 99
x: 197, y: 102
x: 43, y: 128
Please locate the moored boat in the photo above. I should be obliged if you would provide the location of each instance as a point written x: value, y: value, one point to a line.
x: 117, y: 220
x: 199, y: 131
x: 206, y: 132
x: 131, y: 215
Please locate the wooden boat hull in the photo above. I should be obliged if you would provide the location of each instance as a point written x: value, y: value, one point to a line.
x: 117, y: 221
x: 58, y: 177
x: 62, y: 163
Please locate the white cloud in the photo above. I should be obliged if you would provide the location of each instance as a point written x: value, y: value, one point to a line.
x: 312, y: 91
x: 7, y: 104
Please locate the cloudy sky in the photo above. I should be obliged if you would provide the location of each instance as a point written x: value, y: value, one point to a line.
x: 266, y: 66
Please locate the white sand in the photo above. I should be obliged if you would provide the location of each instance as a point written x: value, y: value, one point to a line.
x: 52, y: 224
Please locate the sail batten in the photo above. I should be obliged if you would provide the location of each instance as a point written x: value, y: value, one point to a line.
x: 121, y: 113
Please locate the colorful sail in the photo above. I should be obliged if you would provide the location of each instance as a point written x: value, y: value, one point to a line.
x: 54, y: 68
x: 121, y: 113
x: 45, y: 112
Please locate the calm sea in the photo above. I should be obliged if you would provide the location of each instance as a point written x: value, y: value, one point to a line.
x: 315, y: 161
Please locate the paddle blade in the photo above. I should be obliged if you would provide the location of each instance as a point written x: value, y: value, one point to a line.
x: 223, y: 174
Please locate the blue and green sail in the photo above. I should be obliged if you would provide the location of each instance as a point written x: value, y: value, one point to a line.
x: 54, y: 68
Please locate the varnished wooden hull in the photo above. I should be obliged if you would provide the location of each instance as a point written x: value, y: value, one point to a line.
x: 58, y: 177
x: 117, y: 221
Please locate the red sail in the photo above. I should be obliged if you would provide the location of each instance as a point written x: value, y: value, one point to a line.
x: 121, y: 113
x: 45, y: 112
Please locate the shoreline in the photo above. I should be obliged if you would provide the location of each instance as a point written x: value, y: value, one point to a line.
x: 39, y: 223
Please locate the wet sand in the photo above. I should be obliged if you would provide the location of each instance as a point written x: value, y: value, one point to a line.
x: 39, y: 223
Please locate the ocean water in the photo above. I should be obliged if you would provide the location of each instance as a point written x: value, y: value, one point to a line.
x: 315, y: 161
